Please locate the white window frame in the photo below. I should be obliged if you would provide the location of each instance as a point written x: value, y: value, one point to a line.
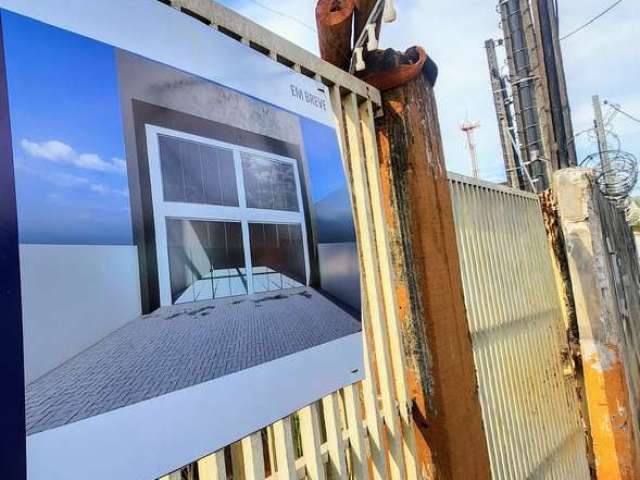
x: 163, y: 210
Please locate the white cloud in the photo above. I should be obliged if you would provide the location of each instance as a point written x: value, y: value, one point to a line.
x: 59, y: 152
x: 119, y: 164
x: 51, y: 150
x: 105, y: 190
x: 64, y: 180
x: 98, y: 188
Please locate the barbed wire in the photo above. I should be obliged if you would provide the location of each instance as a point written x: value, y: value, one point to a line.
x: 616, y: 170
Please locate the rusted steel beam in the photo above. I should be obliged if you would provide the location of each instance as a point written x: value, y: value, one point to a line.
x: 450, y: 439
x: 334, y: 19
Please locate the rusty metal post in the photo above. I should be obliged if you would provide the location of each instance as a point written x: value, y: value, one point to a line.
x: 334, y: 19
x: 450, y: 437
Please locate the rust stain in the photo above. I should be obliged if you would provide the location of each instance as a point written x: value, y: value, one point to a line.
x: 607, y: 397
x: 449, y: 432
x: 396, y: 107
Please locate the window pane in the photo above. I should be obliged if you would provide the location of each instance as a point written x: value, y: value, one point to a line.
x: 235, y: 247
x: 206, y: 260
x: 211, y: 169
x: 172, y: 181
x: 197, y: 173
x: 277, y: 256
x: 269, y: 184
x: 227, y: 177
x: 192, y: 171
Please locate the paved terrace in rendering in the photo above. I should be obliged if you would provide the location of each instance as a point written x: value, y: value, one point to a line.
x: 181, y: 346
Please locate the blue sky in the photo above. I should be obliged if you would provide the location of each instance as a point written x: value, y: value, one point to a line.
x: 601, y: 59
x: 67, y: 136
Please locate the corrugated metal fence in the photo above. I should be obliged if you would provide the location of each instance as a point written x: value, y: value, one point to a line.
x: 527, y: 389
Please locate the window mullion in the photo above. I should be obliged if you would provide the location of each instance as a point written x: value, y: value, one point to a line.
x: 242, y: 201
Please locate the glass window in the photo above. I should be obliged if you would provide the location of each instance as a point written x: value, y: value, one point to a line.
x: 207, y: 256
x: 269, y: 184
x: 196, y: 173
x: 277, y: 256
x: 206, y: 260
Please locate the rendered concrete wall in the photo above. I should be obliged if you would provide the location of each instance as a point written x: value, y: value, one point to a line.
x: 73, y: 296
x: 605, y: 280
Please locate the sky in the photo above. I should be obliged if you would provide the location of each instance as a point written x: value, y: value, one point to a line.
x: 71, y: 180
x: 603, y: 59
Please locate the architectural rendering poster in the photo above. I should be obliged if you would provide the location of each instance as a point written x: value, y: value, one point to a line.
x: 185, y: 253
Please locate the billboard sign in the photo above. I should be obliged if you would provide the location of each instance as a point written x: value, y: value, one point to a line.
x: 177, y: 234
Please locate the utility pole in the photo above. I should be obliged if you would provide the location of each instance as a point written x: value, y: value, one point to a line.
x: 547, y: 28
x: 468, y: 128
x: 601, y: 135
x: 518, y: 39
x: 503, y: 114
x: 538, y: 86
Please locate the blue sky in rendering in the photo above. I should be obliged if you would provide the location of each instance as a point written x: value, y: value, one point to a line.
x: 67, y: 134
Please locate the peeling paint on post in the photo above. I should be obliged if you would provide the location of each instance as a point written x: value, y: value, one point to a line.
x: 450, y: 438
x: 607, y: 376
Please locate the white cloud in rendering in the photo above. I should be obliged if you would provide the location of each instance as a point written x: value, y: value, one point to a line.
x: 52, y: 150
x: 59, y: 152
x: 105, y: 190
x: 63, y: 180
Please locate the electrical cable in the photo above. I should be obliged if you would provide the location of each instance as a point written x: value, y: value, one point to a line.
x: 282, y: 14
x: 617, y: 108
x: 290, y: 17
x: 607, y: 10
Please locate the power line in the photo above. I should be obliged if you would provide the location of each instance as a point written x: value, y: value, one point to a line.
x: 619, y: 110
x: 285, y: 15
x: 607, y: 10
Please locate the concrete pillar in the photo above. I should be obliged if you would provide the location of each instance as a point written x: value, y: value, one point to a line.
x: 601, y: 337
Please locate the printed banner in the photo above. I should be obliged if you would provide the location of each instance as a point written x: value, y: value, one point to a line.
x: 180, y: 248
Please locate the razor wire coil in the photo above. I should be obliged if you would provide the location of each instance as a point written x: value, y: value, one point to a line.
x: 616, y: 173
